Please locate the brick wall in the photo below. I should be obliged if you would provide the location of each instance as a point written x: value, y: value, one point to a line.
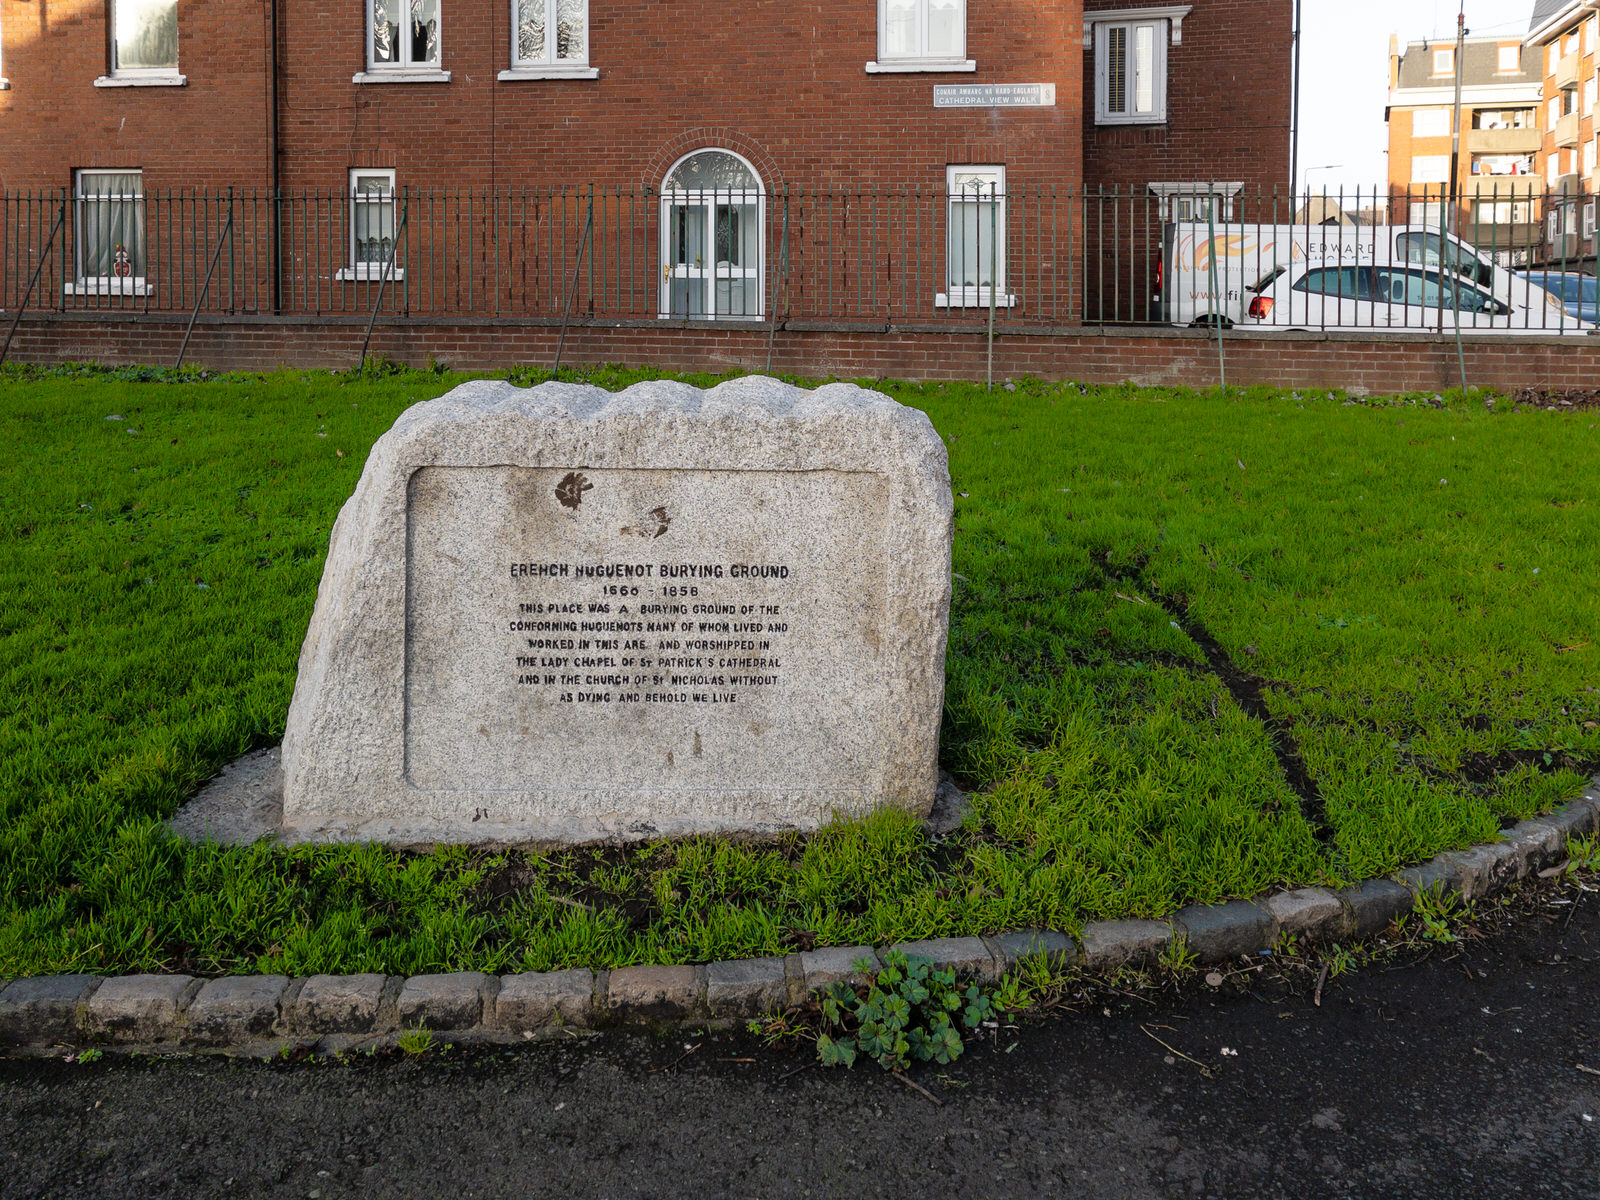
x: 1173, y: 357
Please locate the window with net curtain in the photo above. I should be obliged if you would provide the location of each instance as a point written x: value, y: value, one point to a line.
x: 110, y: 229
x: 372, y: 224
x: 713, y: 220
x: 551, y: 33
x: 403, y: 33
x: 934, y: 30
x: 975, y: 258
x: 144, y: 37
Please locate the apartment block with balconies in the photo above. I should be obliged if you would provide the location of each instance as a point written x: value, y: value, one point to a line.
x: 1494, y: 198
x: 1565, y: 38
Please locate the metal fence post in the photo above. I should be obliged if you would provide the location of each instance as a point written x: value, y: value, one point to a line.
x: 44, y: 256
x: 383, y: 278
x: 577, y: 268
x: 227, y: 229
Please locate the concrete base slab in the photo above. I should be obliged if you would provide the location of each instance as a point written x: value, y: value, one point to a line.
x: 241, y: 805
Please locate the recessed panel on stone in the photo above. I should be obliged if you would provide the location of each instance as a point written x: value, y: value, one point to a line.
x: 558, y: 615
x: 680, y: 620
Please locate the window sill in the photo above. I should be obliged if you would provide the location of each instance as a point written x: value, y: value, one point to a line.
x: 108, y: 287
x: 903, y: 66
x: 400, y: 76
x: 161, y: 80
x: 973, y: 300
x: 553, y: 71
x: 367, y: 273
x: 5, y: 85
x: 1115, y: 120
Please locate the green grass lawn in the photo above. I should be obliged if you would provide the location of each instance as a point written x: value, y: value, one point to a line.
x: 1199, y: 646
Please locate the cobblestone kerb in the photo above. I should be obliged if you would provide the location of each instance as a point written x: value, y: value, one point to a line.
x: 267, y: 1014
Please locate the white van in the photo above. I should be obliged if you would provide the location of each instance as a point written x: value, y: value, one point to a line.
x: 1397, y: 295
x: 1212, y: 272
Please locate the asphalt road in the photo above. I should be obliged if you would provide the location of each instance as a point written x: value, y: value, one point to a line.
x: 1457, y: 1076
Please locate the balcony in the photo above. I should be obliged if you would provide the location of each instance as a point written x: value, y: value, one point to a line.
x: 1568, y: 185
x: 1501, y: 187
x: 1567, y: 72
x: 1504, y: 141
x: 1567, y: 130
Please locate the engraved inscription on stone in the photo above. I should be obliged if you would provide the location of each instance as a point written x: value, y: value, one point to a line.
x: 616, y: 629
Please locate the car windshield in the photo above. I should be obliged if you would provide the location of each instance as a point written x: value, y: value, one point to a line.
x: 1431, y: 250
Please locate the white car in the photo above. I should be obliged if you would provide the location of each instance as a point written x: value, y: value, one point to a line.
x: 1401, y: 296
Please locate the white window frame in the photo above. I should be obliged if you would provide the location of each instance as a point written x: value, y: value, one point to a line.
x: 887, y: 64
x: 120, y: 76
x: 1588, y: 219
x: 5, y: 84
x: 978, y: 295
x: 549, y: 67
x: 1512, y: 52
x: 1166, y: 26
x: 1444, y: 61
x: 1435, y: 114
x: 1590, y: 160
x: 672, y: 198
x: 1591, y: 93
x: 102, y: 285
x: 1439, y: 174
x: 1174, y: 194
x: 402, y: 71
x: 368, y: 272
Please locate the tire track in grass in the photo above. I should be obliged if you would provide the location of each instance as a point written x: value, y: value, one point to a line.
x: 1245, y: 688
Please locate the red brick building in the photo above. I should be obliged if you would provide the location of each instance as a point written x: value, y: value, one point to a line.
x: 866, y: 155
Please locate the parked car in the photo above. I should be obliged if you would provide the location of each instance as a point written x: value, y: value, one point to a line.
x: 1240, y: 261
x: 1579, y: 294
x: 1399, y: 295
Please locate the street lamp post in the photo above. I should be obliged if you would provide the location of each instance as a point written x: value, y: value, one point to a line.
x: 1309, y: 172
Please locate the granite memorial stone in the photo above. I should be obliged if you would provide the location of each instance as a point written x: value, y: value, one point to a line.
x: 559, y: 614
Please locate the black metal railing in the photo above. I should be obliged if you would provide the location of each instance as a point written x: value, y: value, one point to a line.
x: 1037, y: 257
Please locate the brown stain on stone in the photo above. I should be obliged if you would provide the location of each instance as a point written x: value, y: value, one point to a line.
x: 697, y: 743
x: 571, y: 489
x: 757, y: 728
x: 670, y: 763
x: 870, y: 635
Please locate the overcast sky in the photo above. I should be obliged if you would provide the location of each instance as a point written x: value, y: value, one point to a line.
x: 1345, y: 64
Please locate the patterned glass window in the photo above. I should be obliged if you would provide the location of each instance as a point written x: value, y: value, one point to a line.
x: 551, y: 33
x: 403, y: 34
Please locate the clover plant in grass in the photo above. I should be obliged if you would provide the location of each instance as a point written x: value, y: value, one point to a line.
x: 908, y: 1012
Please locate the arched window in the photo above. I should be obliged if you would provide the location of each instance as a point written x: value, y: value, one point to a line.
x: 713, y: 238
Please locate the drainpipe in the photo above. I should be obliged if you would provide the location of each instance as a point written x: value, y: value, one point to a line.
x: 1294, y: 125
x: 275, y: 263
